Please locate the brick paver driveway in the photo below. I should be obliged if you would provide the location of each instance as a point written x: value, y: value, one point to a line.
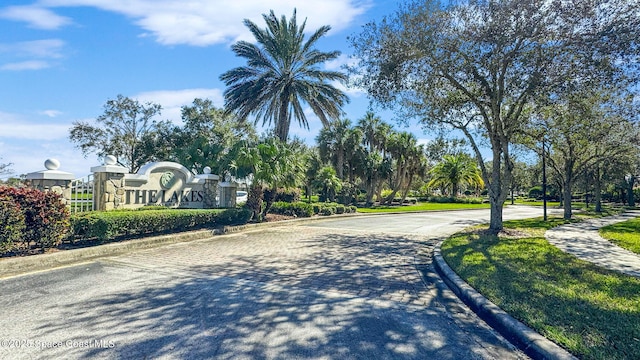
x: 340, y: 289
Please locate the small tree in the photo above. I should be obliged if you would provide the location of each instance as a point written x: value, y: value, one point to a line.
x: 329, y: 183
x: 119, y: 131
x: 271, y: 163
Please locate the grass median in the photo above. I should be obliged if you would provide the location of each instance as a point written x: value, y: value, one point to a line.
x: 625, y: 234
x: 592, y: 312
x: 423, y: 207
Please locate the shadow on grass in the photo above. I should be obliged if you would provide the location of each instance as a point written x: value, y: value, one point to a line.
x: 592, y: 312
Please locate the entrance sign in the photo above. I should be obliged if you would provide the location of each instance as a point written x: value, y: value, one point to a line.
x: 158, y: 183
x: 161, y: 183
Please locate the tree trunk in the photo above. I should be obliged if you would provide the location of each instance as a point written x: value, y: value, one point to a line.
x: 597, y: 189
x: 632, y: 200
x: 497, y: 192
x: 496, y: 223
x: 254, y: 203
x: 566, y: 195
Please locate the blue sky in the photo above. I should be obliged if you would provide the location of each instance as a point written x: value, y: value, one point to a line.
x: 61, y: 60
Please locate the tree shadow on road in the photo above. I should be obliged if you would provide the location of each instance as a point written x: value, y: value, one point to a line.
x: 358, y: 297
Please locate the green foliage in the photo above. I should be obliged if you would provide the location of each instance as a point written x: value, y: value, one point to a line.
x: 109, y: 225
x: 454, y: 200
x: 535, y: 192
x: 455, y: 171
x: 46, y: 217
x: 329, y: 210
x: 12, y: 224
x: 283, y: 72
x: 290, y: 195
x: 297, y: 209
x: 124, y: 130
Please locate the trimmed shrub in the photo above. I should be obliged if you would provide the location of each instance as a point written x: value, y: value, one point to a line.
x: 12, y: 224
x: 326, y: 211
x: 457, y: 200
x: 109, y: 225
x: 288, y: 195
x: 340, y: 209
x: 535, y: 192
x: 298, y: 209
x: 353, y: 209
x: 316, y: 208
x: 46, y: 217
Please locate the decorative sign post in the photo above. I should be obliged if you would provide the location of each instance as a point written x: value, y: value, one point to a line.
x: 52, y: 179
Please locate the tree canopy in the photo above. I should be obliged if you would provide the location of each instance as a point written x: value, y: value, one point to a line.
x: 477, y: 66
x: 120, y: 131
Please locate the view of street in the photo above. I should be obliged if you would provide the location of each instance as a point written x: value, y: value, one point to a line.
x: 351, y: 288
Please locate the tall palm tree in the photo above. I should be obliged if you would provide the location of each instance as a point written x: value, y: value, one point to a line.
x: 281, y: 74
x: 455, y: 171
x: 333, y: 144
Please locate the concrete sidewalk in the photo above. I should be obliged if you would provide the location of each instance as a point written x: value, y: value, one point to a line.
x: 583, y: 240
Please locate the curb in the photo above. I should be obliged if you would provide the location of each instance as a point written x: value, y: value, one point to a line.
x: 526, y: 339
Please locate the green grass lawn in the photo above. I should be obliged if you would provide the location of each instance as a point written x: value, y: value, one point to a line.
x: 422, y: 207
x: 534, y: 203
x: 625, y: 234
x: 592, y: 312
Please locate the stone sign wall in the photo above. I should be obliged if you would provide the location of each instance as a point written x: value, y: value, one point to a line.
x: 158, y: 183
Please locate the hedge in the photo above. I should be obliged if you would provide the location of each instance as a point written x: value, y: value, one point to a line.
x: 298, y: 209
x: 110, y: 225
x: 331, y: 208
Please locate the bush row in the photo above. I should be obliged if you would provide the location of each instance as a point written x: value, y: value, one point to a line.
x: 297, y: 209
x: 447, y: 200
x: 331, y: 208
x: 30, y: 218
x: 109, y: 225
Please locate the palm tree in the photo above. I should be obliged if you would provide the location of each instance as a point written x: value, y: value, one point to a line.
x: 329, y: 183
x: 455, y: 171
x: 272, y: 164
x: 333, y: 144
x: 281, y: 74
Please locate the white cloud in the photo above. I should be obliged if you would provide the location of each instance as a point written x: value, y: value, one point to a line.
x: 25, y: 65
x: 173, y: 100
x: 36, y: 16
x: 14, y: 126
x: 51, y: 113
x: 37, y: 53
x: 206, y: 22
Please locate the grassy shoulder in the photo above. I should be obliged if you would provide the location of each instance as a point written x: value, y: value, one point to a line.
x: 625, y: 234
x: 592, y: 312
x: 422, y: 207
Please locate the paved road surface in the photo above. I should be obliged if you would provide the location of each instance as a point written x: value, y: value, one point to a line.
x: 350, y: 288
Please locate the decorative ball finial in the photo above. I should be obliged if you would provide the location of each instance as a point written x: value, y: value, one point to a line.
x: 206, y: 170
x: 52, y: 164
x: 110, y: 160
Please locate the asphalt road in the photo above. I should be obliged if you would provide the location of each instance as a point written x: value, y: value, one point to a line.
x: 350, y: 288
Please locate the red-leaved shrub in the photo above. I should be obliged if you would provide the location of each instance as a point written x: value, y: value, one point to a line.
x: 45, y: 216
